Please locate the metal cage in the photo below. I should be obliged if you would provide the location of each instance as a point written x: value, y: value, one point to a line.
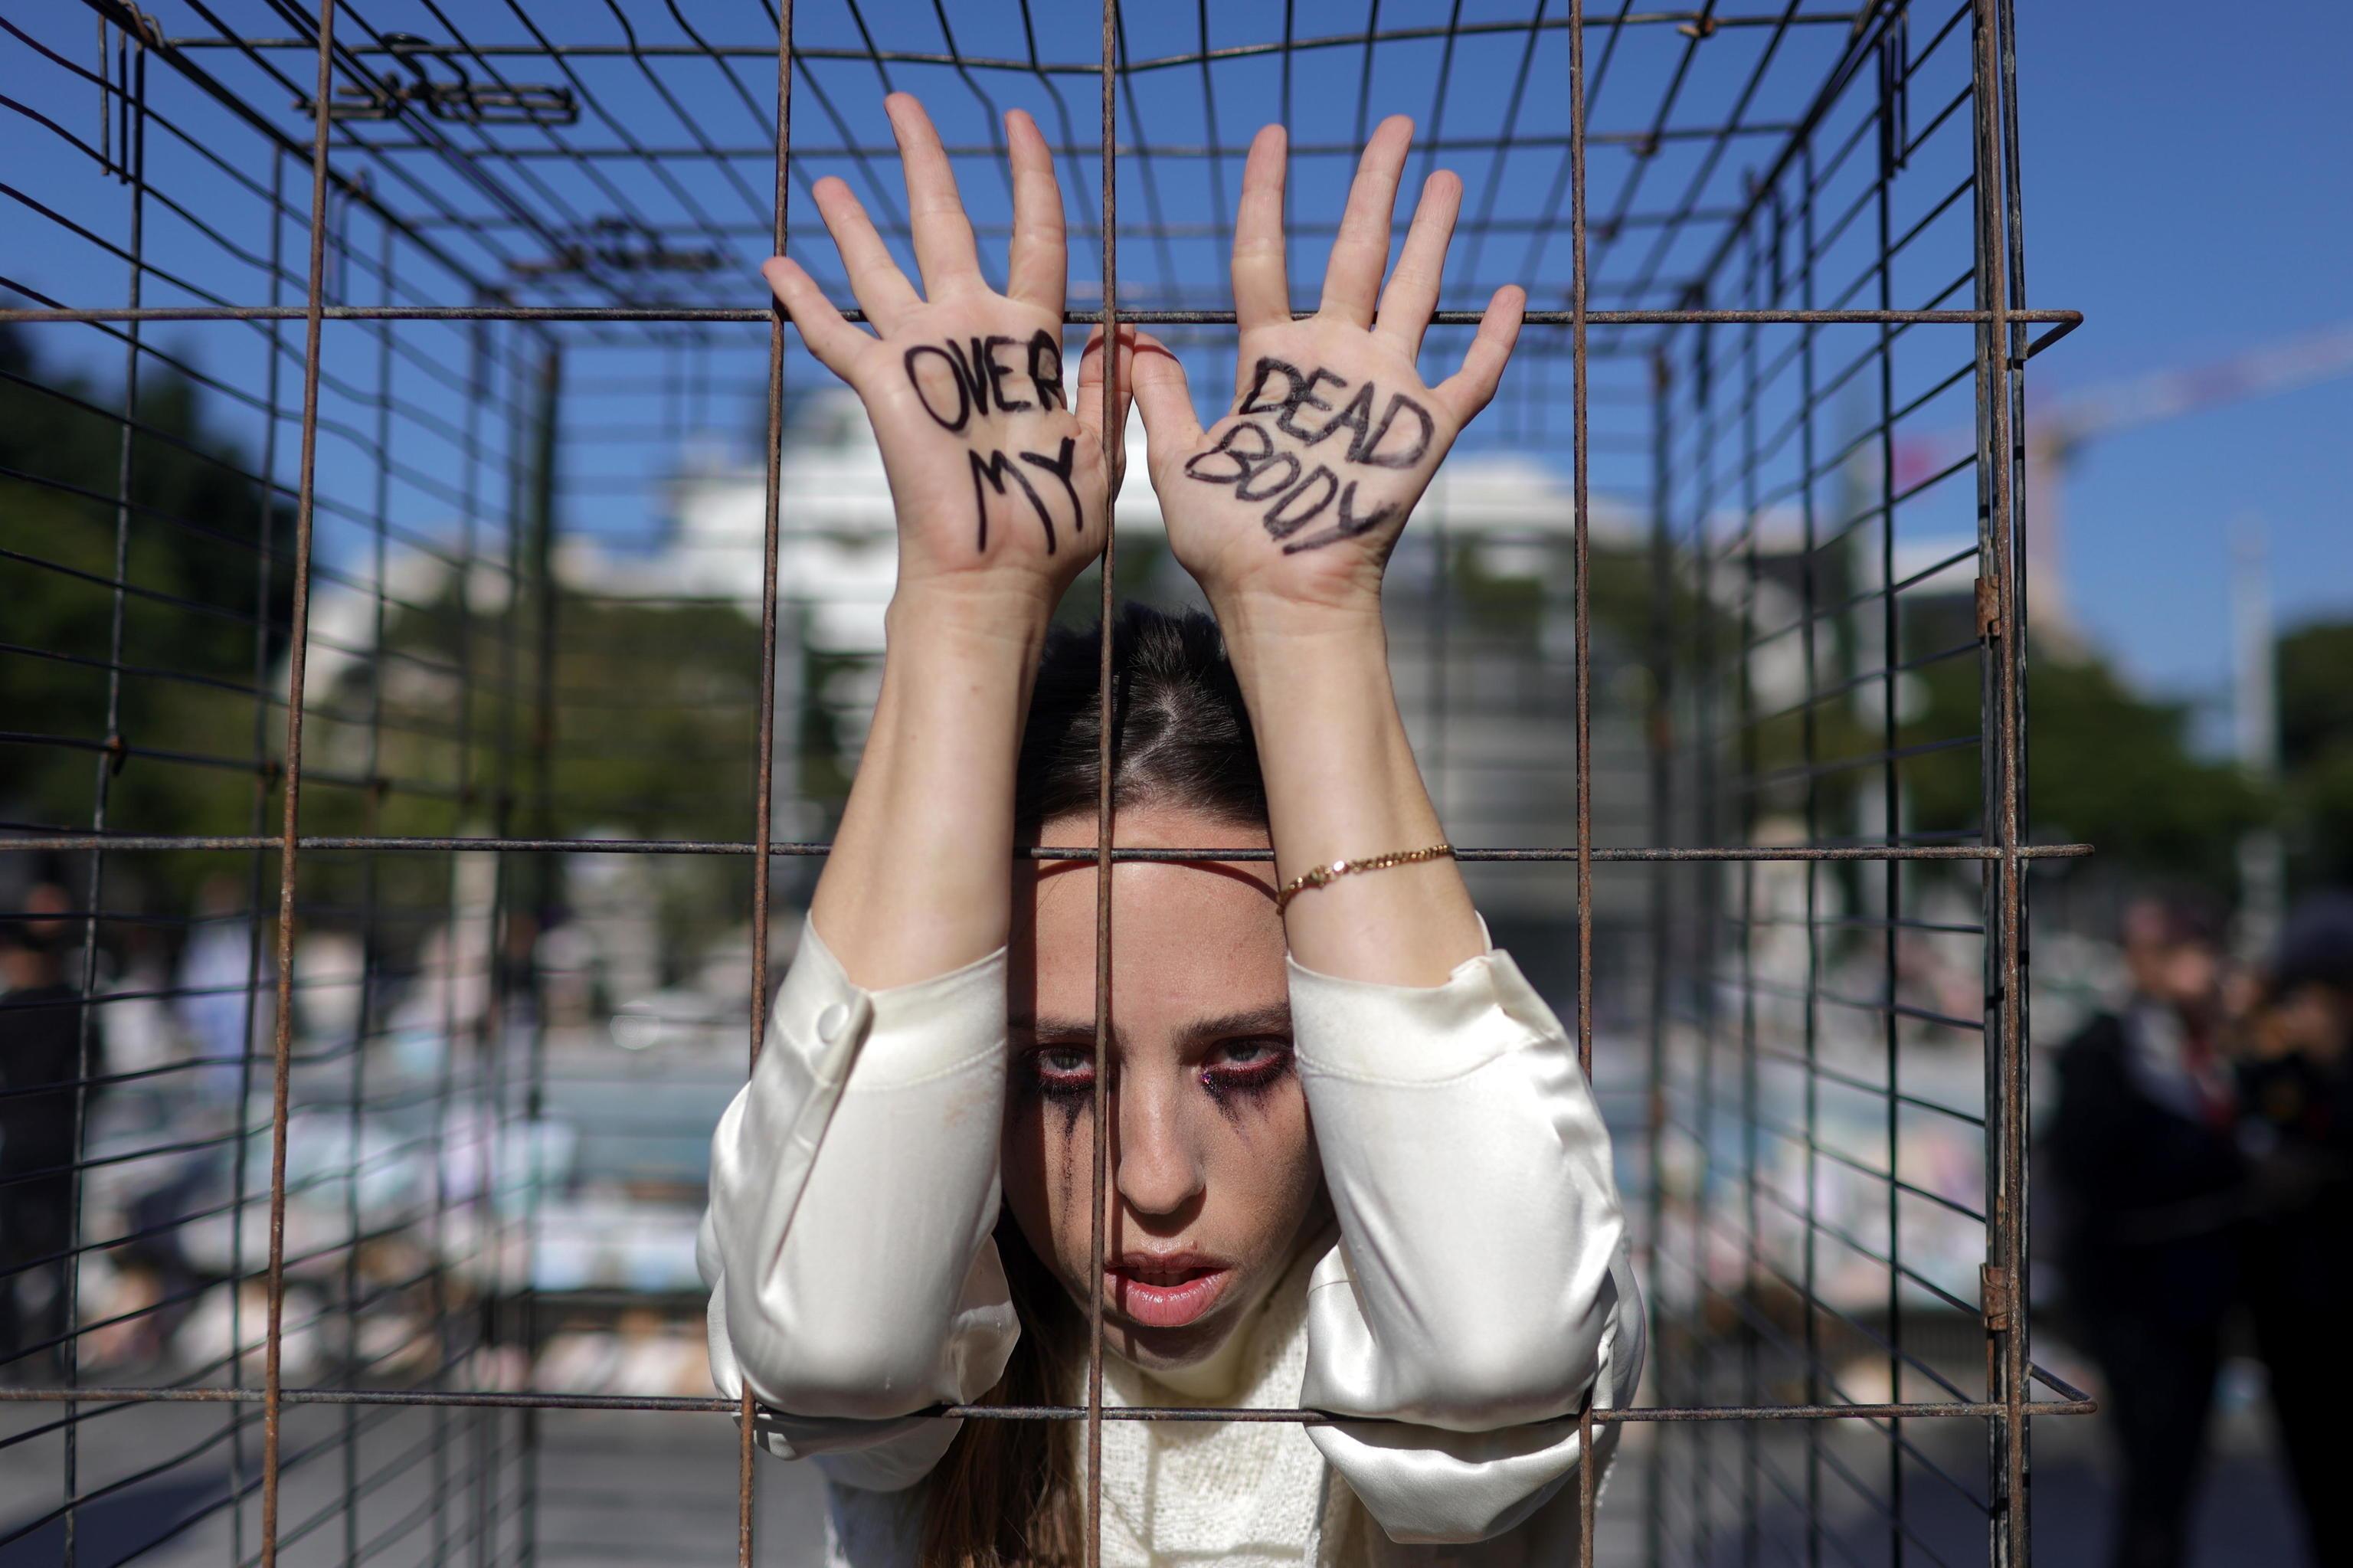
x: 442, y: 599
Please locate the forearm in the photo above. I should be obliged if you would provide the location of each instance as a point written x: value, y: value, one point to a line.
x: 870, y: 1113
x: 1342, y: 783
x: 919, y: 879
x: 1482, y: 1293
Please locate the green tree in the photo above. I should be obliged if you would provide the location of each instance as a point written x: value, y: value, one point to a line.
x: 2315, y: 668
x: 644, y: 727
x: 2105, y: 765
x: 206, y: 593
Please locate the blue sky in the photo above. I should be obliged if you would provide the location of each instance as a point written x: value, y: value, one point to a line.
x: 2189, y: 185
x: 2188, y: 178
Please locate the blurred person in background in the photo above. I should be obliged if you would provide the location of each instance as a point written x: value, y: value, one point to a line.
x: 226, y: 1002
x: 2297, y: 1133
x: 2144, y: 1149
x: 41, y: 1048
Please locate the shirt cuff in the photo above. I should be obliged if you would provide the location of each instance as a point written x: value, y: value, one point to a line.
x: 1416, y: 1034
x: 900, y: 1034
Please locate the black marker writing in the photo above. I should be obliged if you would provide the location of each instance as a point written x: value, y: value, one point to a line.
x: 1368, y: 450
x: 1235, y: 456
x: 957, y: 380
x: 1295, y: 510
x: 998, y: 371
x: 1256, y: 486
x: 1347, y: 527
x: 975, y: 379
x: 1356, y: 416
x: 1248, y: 457
x: 1046, y: 369
x: 1301, y: 394
x: 963, y: 415
x: 990, y: 472
x: 1058, y: 465
x: 994, y: 472
x: 1254, y: 400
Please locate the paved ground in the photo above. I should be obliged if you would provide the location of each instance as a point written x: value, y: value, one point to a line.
x: 2244, y: 1515
x: 659, y: 1490
x: 609, y: 1489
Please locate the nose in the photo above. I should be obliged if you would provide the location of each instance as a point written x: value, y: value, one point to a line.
x: 1154, y: 1165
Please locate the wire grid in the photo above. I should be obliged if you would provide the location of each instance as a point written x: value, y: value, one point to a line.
x: 454, y: 272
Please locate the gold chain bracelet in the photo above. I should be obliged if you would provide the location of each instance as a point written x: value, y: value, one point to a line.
x: 1319, y: 876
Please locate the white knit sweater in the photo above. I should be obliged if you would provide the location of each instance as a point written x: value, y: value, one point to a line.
x: 1473, y: 1296
x: 1240, y: 1494
x: 1248, y: 1493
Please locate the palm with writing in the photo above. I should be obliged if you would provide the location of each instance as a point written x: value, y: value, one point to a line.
x: 996, y: 476
x: 1299, y: 493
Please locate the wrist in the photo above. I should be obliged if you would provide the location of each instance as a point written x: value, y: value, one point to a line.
x: 1315, y: 704
x: 975, y: 613
x: 1258, y: 625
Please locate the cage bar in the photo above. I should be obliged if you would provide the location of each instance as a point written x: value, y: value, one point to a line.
x: 500, y: 623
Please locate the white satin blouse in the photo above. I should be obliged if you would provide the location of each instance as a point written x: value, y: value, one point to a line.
x: 1477, y: 1295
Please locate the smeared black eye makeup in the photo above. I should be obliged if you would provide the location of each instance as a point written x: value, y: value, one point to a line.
x: 1066, y: 1073
x: 1061, y: 1072
x: 1246, y: 1067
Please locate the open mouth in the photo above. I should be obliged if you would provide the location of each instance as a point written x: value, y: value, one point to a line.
x: 1164, y: 1293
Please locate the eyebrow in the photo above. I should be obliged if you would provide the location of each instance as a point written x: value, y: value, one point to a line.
x: 1272, y: 1018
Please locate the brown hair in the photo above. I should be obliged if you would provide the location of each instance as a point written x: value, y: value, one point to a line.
x: 1006, y: 1494
x: 1180, y: 735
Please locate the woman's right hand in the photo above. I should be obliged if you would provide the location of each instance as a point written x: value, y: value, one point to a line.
x: 997, y: 478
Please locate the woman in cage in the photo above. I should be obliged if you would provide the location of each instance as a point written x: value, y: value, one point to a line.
x: 1354, y: 1166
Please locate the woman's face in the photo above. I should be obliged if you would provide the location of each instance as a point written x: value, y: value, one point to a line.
x: 1214, y: 1172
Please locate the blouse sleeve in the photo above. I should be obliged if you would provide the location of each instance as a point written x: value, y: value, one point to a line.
x: 853, y: 1191
x: 1480, y: 1295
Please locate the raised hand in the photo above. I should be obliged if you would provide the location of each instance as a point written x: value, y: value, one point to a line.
x: 1299, y: 493
x: 997, y: 477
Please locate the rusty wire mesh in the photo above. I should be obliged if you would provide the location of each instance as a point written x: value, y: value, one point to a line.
x: 446, y: 684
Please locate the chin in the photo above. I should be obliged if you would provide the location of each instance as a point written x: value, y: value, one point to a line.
x: 1167, y: 1350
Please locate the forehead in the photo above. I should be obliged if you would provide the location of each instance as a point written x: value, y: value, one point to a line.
x: 1188, y: 938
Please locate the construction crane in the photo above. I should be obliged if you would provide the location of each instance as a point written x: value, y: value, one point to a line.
x: 2057, y: 435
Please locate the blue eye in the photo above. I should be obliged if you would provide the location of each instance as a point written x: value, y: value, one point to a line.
x: 1063, y: 1070
x: 1246, y: 1065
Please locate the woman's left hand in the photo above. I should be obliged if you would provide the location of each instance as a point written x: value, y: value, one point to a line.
x: 1295, y: 499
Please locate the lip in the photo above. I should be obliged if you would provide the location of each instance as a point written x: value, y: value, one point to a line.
x: 1165, y: 1290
